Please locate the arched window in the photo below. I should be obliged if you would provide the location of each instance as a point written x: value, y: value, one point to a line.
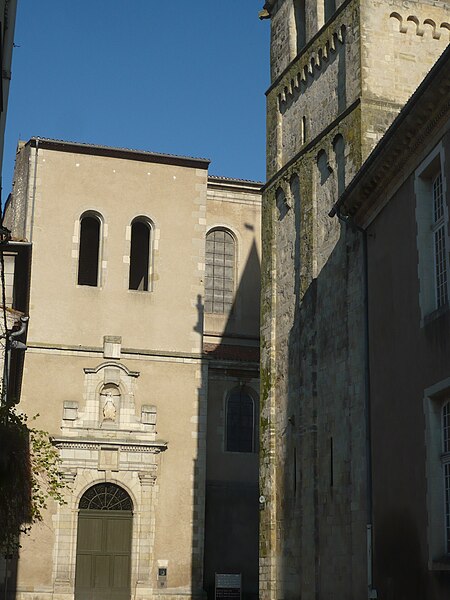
x: 220, y: 271
x: 140, y: 255
x: 240, y: 421
x: 89, y: 251
x: 105, y: 496
x: 282, y: 204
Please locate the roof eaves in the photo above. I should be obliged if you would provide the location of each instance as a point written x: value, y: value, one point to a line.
x: 426, y: 87
x: 127, y: 153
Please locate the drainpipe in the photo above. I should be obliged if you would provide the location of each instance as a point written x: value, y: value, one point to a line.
x: 371, y: 592
x: 11, y: 343
x: 34, y: 189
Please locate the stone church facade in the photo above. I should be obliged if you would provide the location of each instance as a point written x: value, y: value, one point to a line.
x: 340, y: 73
x: 142, y: 354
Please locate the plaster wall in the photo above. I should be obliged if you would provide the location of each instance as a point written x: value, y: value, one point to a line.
x: 148, y: 346
x: 67, y: 185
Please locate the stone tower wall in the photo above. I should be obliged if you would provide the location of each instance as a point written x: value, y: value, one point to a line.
x: 349, y: 81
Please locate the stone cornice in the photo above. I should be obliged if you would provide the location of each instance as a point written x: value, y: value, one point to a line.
x: 95, y: 443
x: 313, y: 55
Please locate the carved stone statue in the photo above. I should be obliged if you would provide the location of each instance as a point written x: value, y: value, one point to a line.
x: 109, y: 407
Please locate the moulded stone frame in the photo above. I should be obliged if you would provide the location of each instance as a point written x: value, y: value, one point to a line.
x: 153, y: 247
x: 434, y: 399
x: 424, y: 173
x: 143, y: 493
x: 220, y: 226
x: 103, y: 234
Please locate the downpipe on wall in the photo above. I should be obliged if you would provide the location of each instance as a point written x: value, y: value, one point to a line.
x: 371, y: 592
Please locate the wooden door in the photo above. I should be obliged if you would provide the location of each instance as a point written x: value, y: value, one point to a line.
x: 103, y: 555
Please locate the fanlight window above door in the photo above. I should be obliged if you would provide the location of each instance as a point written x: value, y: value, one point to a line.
x: 106, y: 496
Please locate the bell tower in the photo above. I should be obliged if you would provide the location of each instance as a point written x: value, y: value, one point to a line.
x: 341, y: 70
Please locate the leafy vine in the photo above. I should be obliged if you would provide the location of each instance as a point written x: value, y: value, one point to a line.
x: 30, y: 475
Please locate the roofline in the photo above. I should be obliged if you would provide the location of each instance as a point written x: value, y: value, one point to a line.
x: 392, y: 130
x: 125, y: 153
x: 229, y: 182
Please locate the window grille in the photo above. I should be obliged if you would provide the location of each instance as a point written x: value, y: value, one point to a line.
x: 439, y: 243
x: 106, y: 496
x: 220, y: 268
x: 240, y: 422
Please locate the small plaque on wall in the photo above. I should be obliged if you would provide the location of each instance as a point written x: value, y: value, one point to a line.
x: 108, y: 459
x: 228, y: 585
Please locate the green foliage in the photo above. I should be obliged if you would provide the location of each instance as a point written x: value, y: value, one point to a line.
x: 29, y: 476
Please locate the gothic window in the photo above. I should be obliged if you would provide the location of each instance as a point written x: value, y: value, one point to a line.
x: 89, y: 250
x: 445, y: 458
x: 140, y: 255
x: 220, y: 271
x: 439, y: 243
x: 105, y: 496
x: 240, y: 421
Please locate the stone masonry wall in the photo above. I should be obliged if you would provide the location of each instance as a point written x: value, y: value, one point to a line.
x: 349, y: 81
x: 320, y: 84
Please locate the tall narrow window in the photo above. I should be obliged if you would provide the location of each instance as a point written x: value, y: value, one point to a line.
x: 439, y: 243
x: 445, y: 458
x: 339, y: 156
x: 300, y: 23
x: 240, y: 421
x: 89, y: 251
x: 220, y: 269
x: 140, y: 255
x: 303, y: 130
x: 330, y: 9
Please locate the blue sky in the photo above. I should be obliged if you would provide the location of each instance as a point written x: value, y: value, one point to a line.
x: 167, y: 76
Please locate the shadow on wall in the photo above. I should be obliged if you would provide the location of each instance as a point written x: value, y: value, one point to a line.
x: 231, y: 540
x: 318, y: 417
x: 8, y: 577
x: 399, y: 560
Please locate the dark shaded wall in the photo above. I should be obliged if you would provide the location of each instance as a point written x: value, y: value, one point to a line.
x: 405, y: 359
x: 232, y: 478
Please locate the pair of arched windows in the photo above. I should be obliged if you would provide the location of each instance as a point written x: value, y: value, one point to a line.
x: 220, y: 264
x: 90, y: 250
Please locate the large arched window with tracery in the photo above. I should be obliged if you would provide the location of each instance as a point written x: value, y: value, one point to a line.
x: 220, y: 271
x: 89, y: 249
x: 240, y: 421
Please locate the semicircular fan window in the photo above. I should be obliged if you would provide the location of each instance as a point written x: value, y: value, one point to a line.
x: 106, y: 496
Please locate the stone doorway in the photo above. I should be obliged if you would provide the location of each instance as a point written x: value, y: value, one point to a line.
x: 103, y: 561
